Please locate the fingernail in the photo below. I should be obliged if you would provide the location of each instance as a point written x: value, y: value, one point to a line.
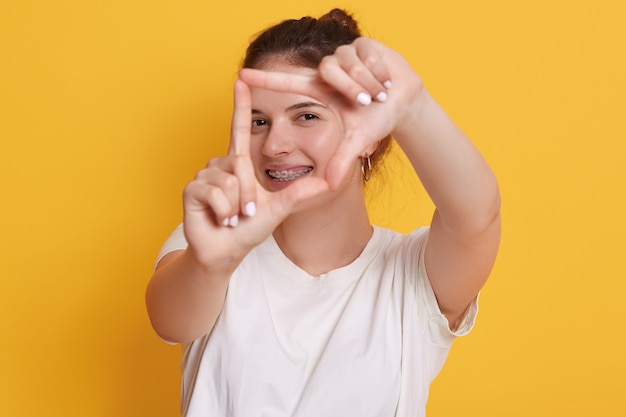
x: 364, y: 98
x: 233, y: 221
x: 225, y: 222
x: 382, y: 96
x: 387, y: 84
x: 250, y: 209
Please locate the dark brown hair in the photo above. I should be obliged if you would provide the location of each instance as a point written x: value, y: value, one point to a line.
x: 305, y: 42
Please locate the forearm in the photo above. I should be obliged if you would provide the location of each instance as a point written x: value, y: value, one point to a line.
x: 455, y: 175
x: 184, y: 298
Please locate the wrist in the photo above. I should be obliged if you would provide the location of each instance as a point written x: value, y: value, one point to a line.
x: 413, y: 116
x: 203, y: 265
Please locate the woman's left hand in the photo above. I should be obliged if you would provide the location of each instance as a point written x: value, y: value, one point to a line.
x: 372, y: 88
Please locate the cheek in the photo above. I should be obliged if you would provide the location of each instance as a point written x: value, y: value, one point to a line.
x: 321, y: 142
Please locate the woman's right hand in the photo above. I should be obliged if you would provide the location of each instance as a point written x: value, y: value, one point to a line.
x: 226, y: 211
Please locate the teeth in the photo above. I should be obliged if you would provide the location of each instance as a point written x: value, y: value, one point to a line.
x: 287, y: 175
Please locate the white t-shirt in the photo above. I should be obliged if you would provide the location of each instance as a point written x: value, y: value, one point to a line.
x: 363, y: 340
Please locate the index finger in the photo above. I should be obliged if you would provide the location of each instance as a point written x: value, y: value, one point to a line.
x: 284, y: 82
x: 240, y: 125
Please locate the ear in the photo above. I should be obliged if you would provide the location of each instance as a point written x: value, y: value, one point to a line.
x: 370, y: 149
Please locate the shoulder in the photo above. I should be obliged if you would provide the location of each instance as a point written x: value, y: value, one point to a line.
x: 400, y: 255
x: 403, y: 245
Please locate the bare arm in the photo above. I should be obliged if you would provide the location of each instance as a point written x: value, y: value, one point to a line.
x: 465, y: 229
x: 184, y: 297
x: 186, y: 292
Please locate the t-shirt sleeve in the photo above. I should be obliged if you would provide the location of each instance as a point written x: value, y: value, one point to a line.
x: 176, y: 241
x: 437, y: 324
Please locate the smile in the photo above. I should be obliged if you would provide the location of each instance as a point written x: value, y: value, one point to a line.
x: 288, y: 175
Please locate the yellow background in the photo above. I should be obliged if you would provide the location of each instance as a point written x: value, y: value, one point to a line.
x: 108, y: 108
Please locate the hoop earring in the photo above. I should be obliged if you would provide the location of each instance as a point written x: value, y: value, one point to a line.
x: 366, y: 168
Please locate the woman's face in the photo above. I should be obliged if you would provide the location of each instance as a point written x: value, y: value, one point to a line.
x: 292, y: 135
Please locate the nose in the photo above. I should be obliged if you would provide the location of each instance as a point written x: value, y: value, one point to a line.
x: 278, y: 142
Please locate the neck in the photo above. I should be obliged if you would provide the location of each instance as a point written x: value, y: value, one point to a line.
x: 327, y: 237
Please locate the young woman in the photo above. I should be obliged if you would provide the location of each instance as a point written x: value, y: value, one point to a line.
x: 287, y: 300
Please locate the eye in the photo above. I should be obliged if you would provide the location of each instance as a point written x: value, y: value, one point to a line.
x: 307, y: 118
x: 258, y: 125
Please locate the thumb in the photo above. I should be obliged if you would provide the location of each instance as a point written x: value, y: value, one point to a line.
x: 341, y: 163
x: 297, y: 196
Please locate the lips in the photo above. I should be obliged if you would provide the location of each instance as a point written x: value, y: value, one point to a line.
x: 288, y: 174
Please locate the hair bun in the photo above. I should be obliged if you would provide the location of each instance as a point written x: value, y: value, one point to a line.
x: 343, y: 18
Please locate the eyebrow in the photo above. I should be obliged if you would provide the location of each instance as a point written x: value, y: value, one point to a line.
x: 296, y: 106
